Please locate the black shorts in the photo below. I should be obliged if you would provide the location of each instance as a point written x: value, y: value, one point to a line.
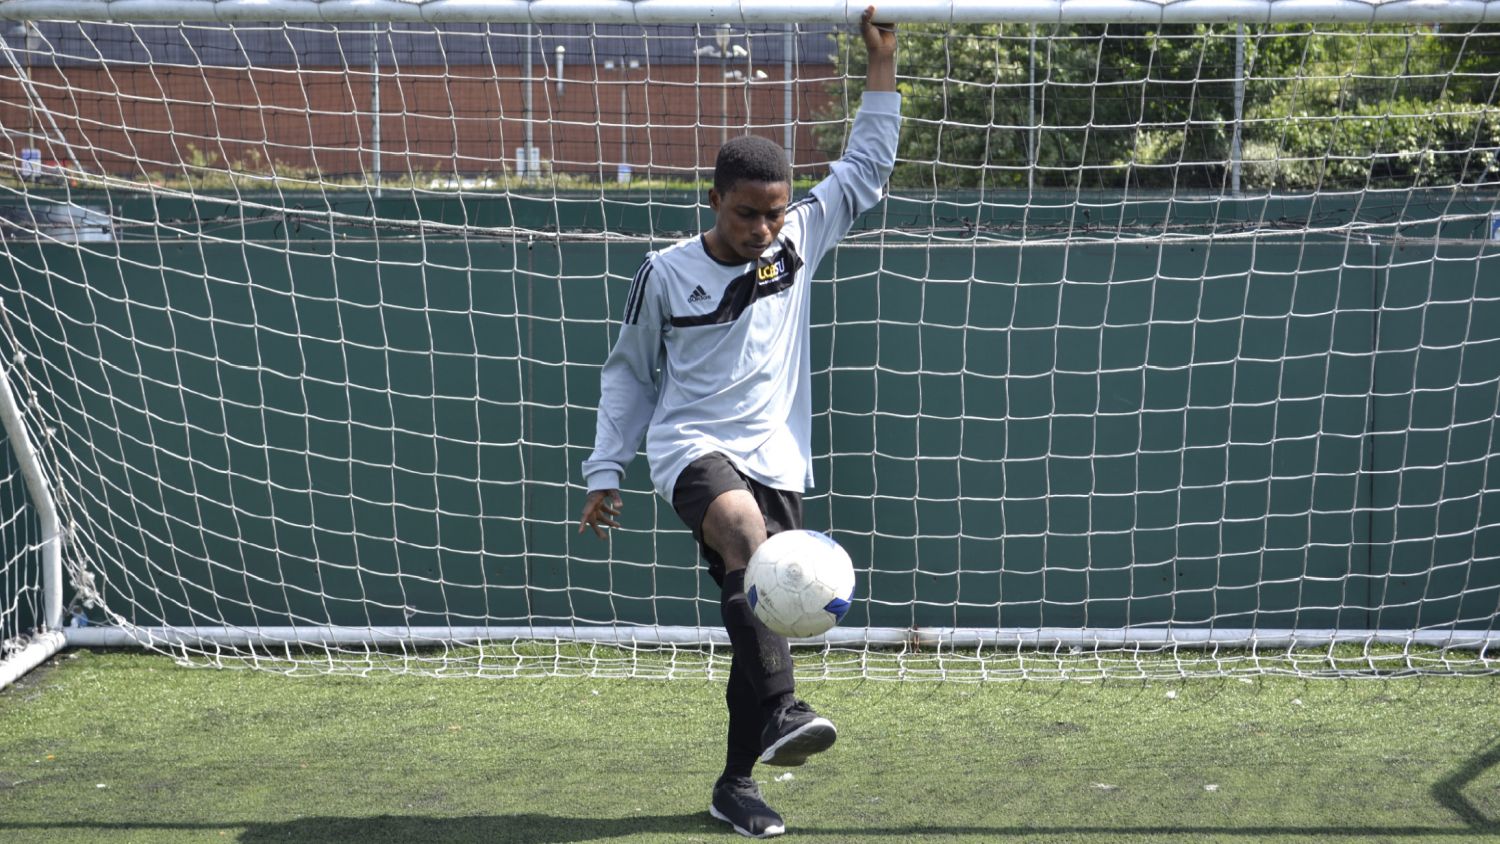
x: 712, y: 475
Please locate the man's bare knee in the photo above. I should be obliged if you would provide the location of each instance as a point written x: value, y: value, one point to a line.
x: 734, y: 527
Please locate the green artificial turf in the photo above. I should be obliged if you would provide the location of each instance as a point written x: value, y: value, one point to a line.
x: 105, y: 747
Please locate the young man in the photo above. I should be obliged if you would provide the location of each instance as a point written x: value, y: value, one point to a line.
x: 712, y: 367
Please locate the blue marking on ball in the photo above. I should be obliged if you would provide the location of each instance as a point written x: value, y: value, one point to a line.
x: 754, y: 598
x: 838, y: 607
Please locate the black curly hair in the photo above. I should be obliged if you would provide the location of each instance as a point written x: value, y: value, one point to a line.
x: 750, y: 158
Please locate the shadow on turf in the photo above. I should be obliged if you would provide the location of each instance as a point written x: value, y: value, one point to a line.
x: 552, y: 829
x: 488, y: 829
x: 1449, y: 791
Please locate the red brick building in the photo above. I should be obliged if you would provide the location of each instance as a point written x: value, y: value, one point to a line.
x: 148, y: 110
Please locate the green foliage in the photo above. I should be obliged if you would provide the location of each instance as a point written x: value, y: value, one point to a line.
x: 1140, y: 106
x: 1399, y: 142
x: 208, y: 171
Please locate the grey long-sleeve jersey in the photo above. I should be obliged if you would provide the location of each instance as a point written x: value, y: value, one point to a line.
x: 714, y: 356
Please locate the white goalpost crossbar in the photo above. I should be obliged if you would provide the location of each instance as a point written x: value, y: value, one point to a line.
x: 713, y: 12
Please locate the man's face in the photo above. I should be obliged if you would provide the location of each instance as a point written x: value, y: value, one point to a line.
x: 749, y: 216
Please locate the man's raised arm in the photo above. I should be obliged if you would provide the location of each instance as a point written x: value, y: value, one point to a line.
x: 880, y: 43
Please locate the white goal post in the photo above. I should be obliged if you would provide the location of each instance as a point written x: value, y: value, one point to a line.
x: 714, y: 12
x: 1174, y: 349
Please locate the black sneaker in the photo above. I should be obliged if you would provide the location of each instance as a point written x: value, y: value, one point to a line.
x: 795, y: 732
x: 737, y: 802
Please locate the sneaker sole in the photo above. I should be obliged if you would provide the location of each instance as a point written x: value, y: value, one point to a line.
x: 793, y: 748
x: 771, y: 831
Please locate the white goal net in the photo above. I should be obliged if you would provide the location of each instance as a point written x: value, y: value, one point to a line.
x: 1174, y: 349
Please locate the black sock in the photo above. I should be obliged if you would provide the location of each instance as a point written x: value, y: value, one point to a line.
x: 745, y: 723
x: 764, y: 656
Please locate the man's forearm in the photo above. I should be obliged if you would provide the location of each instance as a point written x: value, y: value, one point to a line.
x: 882, y: 73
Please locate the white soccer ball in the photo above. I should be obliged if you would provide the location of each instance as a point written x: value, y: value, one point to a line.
x: 800, y: 583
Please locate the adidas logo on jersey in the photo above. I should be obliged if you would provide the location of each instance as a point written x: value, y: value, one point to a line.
x: 698, y: 295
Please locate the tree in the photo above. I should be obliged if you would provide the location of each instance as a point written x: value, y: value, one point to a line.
x: 1134, y: 106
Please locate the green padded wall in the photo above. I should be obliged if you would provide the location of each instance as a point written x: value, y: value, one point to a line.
x: 380, y: 428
